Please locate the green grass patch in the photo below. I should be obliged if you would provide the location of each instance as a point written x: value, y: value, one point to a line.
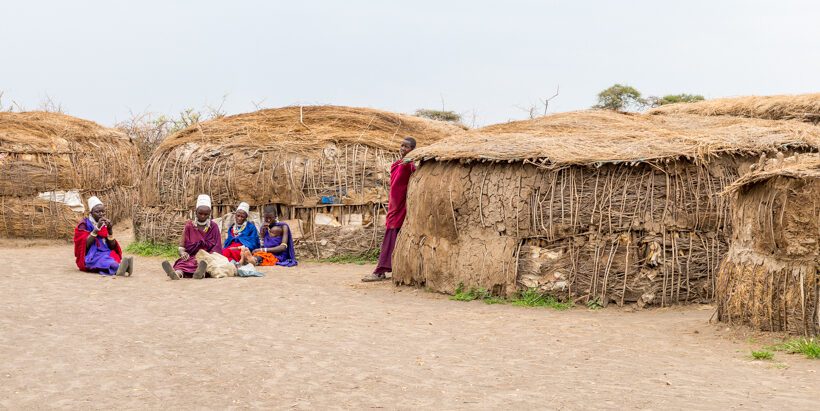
x: 762, y: 355
x: 150, y: 249
x: 528, y: 298
x: 368, y: 257
x: 594, y: 304
x: 494, y: 300
x: 810, y: 347
x: 533, y: 298
x: 469, y: 295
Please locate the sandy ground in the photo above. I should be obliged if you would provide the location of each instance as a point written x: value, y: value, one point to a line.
x: 315, y: 337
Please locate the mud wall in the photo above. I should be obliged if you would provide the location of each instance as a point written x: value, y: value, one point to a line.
x: 769, y: 278
x: 645, y: 233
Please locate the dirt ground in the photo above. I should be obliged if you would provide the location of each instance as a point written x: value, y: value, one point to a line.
x: 315, y: 337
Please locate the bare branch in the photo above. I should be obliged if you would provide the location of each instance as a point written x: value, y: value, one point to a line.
x: 258, y: 105
x: 50, y: 106
x: 546, y: 102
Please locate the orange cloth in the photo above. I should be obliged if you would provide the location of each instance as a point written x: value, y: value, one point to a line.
x: 267, y: 258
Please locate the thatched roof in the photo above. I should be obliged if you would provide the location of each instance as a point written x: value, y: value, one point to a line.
x: 803, y: 107
x: 600, y: 136
x: 307, y: 128
x: 802, y: 166
x: 39, y: 131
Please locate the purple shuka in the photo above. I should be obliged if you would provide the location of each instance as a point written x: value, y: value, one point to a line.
x: 98, y: 257
x: 286, y: 258
x: 193, y: 240
x: 386, y: 255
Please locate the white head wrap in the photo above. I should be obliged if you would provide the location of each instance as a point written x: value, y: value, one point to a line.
x: 244, y: 207
x: 93, y: 202
x: 203, y: 200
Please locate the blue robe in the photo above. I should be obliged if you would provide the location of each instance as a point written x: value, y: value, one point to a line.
x: 249, y: 237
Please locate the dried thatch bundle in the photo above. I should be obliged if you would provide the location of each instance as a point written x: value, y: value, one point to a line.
x: 305, y: 160
x: 803, y: 107
x: 590, y: 206
x: 769, y: 278
x: 51, y: 163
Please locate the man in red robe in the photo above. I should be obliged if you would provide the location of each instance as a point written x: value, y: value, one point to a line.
x: 400, y: 173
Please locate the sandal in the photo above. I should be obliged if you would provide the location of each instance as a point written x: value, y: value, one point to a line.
x: 170, y: 270
x: 200, y: 270
x: 373, y: 277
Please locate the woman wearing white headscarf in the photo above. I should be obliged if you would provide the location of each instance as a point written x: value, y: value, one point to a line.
x: 199, y: 234
x: 243, y: 238
x: 95, y: 248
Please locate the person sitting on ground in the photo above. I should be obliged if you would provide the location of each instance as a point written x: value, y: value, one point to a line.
x: 277, y: 242
x: 242, y: 238
x: 199, y: 234
x: 95, y: 248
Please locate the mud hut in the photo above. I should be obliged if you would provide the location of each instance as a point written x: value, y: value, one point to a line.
x: 324, y: 168
x: 769, y: 278
x: 802, y: 107
x: 51, y: 163
x: 591, y: 206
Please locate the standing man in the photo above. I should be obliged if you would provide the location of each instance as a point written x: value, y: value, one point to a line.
x: 400, y: 172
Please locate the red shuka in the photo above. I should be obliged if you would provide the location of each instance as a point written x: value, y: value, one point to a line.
x: 397, y: 201
x: 81, y: 235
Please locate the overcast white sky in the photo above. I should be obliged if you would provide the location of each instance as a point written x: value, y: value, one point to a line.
x: 104, y: 59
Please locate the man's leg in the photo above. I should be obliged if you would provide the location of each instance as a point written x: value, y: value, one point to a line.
x: 385, y: 264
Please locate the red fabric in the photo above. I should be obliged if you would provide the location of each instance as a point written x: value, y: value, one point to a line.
x: 397, y: 201
x: 81, y: 235
x: 232, y: 252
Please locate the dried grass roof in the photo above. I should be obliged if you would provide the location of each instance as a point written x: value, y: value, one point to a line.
x: 803, y: 166
x: 45, y: 132
x: 803, y: 107
x: 601, y: 136
x: 311, y: 127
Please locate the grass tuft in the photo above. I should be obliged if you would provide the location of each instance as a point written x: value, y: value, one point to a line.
x: 595, y: 304
x: 809, y: 347
x: 151, y: 249
x: 469, y: 295
x: 762, y: 355
x: 533, y: 298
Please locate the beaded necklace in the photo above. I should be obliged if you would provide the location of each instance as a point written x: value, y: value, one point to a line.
x: 237, y: 230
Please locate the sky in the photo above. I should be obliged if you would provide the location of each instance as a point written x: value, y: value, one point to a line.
x: 487, y: 60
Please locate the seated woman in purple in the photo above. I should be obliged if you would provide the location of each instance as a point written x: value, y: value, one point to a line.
x: 277, y: 243
x: 199, y: 234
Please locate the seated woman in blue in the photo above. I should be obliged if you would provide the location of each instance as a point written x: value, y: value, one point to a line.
x: 242, y: 237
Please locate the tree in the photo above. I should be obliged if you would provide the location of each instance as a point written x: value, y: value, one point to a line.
x: 440, y: 115
x: 620, y: 98
x: 674, y: 98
